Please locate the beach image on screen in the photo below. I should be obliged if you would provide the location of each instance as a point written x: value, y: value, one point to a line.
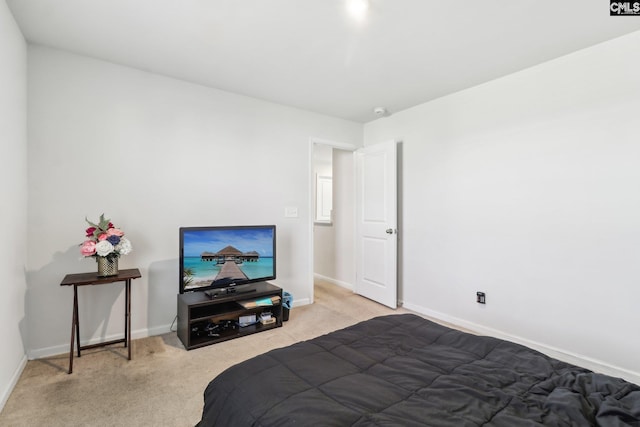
x: 227, y: 255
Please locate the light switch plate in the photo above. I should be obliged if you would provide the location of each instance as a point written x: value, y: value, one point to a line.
x: 291, y: 212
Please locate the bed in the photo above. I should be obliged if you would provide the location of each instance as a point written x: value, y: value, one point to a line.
x: 403, y: 370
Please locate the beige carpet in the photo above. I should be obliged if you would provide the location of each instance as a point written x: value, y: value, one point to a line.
x: 163, y: 383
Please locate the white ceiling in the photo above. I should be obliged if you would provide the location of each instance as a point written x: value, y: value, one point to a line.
x: 311, y: 54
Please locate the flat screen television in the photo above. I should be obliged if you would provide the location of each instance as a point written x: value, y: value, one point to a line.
x: 217, y: 259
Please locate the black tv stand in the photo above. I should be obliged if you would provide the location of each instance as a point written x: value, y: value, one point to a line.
x: 199, y: 312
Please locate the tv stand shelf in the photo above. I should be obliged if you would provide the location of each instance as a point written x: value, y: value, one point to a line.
x: 196, y: 310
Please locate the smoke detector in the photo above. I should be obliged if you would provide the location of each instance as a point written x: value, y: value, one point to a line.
x: 380, y: 111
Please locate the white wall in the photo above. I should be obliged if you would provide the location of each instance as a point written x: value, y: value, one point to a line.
x: 344, y: 218
x: 13, y: 193
x: 527, y: 188
x: 153, y: 154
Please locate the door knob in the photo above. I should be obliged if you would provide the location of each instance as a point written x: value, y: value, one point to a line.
x: 389, y: 231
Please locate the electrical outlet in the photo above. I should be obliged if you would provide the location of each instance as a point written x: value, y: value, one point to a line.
x: 481, y: 298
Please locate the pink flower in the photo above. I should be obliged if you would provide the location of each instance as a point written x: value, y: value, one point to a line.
x: 88, y: 248
x: 115, y: 232
x: 102, y: 237
x: 90, y: 231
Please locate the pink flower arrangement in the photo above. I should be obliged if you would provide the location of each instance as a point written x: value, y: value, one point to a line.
x: 104, y: 240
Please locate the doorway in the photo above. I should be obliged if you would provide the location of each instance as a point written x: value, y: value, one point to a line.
x: 332, y: 207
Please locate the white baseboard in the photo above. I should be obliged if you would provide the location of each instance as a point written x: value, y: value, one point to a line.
x: 12, y: 384
x: 334, y: 281
x: 300, y: 302
x: 64, y: 348
x: 557, y: 353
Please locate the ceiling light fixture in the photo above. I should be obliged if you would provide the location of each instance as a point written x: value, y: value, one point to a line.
x: 358, y: 8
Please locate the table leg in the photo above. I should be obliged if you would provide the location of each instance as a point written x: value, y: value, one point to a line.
x: 128, y: 315
x: 74, y: 318
x: 75, y: 308
x: 126, y: 312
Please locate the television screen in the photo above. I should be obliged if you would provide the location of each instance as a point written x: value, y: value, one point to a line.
x: 221, y: 257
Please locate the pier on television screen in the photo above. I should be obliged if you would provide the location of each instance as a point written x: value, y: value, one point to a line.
x: 223, y: 257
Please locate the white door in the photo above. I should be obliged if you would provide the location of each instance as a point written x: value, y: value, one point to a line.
x: 376, y: 223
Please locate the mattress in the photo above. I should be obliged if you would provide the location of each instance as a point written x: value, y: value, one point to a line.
x: 403, y: 370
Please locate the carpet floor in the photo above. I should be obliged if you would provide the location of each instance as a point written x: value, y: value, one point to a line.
x: 163, y: 384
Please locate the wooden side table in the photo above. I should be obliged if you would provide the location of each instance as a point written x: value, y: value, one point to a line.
x: 82, y: 279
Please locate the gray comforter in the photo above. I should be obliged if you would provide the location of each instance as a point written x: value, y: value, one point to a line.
x: 402, y: 370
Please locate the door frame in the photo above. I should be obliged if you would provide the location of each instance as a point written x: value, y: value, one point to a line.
x: 311, y: 200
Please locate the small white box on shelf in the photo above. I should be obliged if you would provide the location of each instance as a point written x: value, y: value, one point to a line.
x: 247, y: 320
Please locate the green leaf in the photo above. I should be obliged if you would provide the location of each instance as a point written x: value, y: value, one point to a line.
x: 90, y: 223
x: 104, y: 223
